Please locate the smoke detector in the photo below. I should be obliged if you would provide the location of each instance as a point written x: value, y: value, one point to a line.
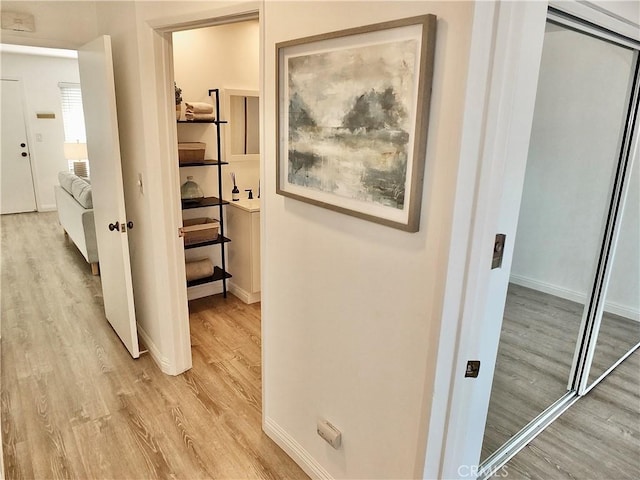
x: 18, y: 22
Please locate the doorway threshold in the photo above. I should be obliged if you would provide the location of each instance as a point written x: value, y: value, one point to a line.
x: 500, y: 457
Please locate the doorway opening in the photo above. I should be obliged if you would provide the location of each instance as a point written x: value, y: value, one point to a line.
x: 36, y: 102
x: 215, y: 65
x: 216, y: 72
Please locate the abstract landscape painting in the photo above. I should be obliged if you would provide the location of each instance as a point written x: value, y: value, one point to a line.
x: 352, y: 105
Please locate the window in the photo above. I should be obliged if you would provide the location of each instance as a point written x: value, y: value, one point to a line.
x: 75, y: 137
x: 72, y: 115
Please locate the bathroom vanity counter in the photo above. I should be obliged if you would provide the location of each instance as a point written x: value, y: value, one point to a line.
x: 243, y: 225
x: 251, y: 206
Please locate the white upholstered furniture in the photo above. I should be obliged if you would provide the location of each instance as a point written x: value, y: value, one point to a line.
x: 75, y: 213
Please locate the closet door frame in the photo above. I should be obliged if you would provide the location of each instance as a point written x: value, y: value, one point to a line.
x: 587, y: 337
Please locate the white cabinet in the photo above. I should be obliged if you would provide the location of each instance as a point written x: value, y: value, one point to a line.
x: 243, y: 225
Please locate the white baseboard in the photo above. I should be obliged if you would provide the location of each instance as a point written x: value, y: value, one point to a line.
x: 206, y: 290
x: 609, y: 307
x: 154, y: 351
x: 47, y: 208
x: 295, y: 450
x: 243, y: 295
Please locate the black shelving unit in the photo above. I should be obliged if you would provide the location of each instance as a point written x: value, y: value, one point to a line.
x: 219, y: 273
x: 204, y: 202
x: 218, y: 240
x: 204, y: 163
x: 196, y: 121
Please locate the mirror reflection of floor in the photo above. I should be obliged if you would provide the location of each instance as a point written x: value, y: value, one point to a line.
x: 597, y: 438
x: 536, y: 349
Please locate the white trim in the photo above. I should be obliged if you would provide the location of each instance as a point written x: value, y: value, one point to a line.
x: 175, y: 336
x: 50, y: 207
x: 597, y: 13
x: 480, y: 58
x: 179, y: 340
x: 295, y: 450
x: 242, y: 294
x: 162, y: 361
x: 600, y: 6
x: 205, y: 290
x: 208, y: 18
x: 575, y: 296
x: 580, y: 26
x: 515, y: 54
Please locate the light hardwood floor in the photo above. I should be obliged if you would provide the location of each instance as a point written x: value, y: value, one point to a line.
x: 74, y: 404
x: 599, y: 437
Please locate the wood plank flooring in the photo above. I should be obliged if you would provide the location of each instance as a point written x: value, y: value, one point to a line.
x: 534, y: 360
x: 598, y: 438
x: 74, y: 404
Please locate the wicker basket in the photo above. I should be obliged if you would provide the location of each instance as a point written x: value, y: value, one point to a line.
x: 200, y: 230
x: 191, y: 151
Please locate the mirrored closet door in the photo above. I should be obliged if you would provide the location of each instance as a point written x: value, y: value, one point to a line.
x: 616, y: 332
x: 579, y: 152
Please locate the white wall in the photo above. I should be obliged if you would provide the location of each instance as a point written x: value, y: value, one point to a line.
x: 573, y: 152
x: 40, y: 77
x: 351, y: 309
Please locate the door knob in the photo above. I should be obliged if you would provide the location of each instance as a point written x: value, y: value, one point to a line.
x: 24, y: 154
x: 23, y: 145
x: 129, y: 224
x: 114, y: 227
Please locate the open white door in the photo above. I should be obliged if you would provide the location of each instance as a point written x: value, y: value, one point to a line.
x: 103, y: 144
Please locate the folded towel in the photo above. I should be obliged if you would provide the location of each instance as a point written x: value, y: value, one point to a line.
x: 198, y: 107
x: 202, y: 117
x: 199, y: 269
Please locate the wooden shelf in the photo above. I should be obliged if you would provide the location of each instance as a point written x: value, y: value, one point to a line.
x: 205, y: 202
x: 196, y: 121
x: 217, y: 122
x: 203, y: 163
x: 218, y: 274
x: 217, y: 241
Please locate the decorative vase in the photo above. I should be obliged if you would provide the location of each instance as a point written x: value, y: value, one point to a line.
x: 190, y: 191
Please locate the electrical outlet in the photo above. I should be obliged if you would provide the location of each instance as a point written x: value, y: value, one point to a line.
x: 329, y: 433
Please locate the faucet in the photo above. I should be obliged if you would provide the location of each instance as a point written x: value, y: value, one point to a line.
x: 250, y: 193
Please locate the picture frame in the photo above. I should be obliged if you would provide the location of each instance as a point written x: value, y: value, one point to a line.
x: 352, y: 117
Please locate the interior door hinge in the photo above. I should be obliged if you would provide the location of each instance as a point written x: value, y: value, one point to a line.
x: 473, y: 369
x: 498, y: 250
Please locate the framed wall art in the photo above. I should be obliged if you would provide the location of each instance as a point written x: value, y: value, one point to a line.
x: 352, y: 117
